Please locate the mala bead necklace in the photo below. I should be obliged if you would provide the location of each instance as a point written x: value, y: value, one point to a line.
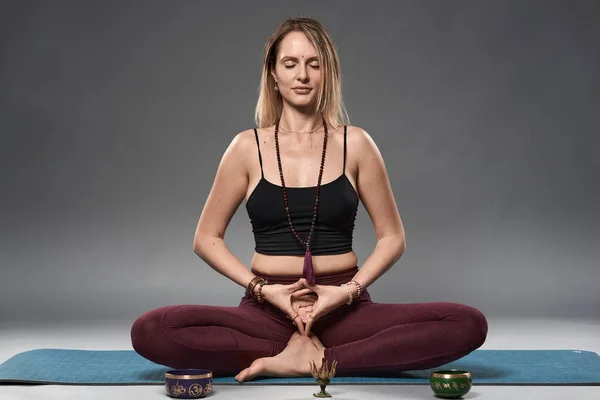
x: 307, y: 272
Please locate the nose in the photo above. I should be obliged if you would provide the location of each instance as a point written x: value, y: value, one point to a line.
x: 302, y: 75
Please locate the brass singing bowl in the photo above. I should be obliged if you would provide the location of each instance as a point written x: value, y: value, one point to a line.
x: 450, y: 383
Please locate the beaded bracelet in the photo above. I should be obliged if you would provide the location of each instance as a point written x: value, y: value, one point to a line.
x: 259, y: 295
x: 252, y: 284
x: 358, y: 286
x: 349, y: 293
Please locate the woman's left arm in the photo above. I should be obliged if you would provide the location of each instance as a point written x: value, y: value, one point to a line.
x: 376, y: 195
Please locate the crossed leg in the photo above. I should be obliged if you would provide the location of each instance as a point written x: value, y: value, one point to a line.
x: 223, y: 339
x: 366, y: 339
x: 381, y: 339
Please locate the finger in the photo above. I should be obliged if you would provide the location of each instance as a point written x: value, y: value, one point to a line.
x: 312, y: 318
x: 296, y: 285
x: 308, y: 327
x: 303, y: 303
x: 315, y: 288
x: 305, y: 283
x: 291, y: 315
x: 306, y: 309
x: 301, y: 292
x: 304, y: 315
x: 299, y: 324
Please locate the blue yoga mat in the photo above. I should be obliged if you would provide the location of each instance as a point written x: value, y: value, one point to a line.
x: 126, y: 367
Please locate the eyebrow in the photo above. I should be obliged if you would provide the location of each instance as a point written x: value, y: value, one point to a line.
x: 291, y: 58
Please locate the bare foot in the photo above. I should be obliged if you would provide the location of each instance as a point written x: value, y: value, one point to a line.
x: 317, y: 342
x: 292, y: 361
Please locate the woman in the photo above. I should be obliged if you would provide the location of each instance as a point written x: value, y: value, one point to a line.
x: 302, y: 174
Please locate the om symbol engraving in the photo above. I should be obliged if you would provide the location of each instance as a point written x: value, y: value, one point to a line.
x: 195, y: 390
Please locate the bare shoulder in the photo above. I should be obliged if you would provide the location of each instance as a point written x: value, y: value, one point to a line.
x: 360, y: 142
x: 243, y: 141
x: 240, y: 146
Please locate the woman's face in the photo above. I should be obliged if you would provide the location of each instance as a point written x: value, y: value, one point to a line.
x: 297, y: 70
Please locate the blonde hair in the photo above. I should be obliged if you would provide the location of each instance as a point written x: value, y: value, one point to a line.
x: 329, y: 99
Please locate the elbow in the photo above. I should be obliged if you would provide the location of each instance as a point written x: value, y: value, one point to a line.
x: 394, y: 244
x: 197, y: 248
x: 202, y: 243
x: 400, y: 245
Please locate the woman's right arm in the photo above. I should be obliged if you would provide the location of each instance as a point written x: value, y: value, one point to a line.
x: 228, y: 190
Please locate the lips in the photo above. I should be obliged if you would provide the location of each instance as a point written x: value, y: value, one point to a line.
x: 301, y: 90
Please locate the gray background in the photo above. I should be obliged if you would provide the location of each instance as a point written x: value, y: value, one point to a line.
x: 114, y: 116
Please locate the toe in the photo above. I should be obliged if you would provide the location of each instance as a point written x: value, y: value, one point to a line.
x: 252, y: 371
x: 244, y: 375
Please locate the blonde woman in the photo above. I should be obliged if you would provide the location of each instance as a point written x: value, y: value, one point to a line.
x: 302, y: 173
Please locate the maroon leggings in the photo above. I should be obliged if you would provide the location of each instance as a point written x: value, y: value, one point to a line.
x: 366, y: 338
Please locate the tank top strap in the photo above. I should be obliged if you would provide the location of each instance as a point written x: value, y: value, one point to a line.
x: 262, y: 175
x: 345, y: 133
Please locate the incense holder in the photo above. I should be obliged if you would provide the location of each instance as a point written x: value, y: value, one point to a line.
x: 323, y: 376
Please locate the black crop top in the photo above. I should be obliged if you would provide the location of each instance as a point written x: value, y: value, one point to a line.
x: 338, y: 204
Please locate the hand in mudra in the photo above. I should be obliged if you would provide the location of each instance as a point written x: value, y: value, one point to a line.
x: 287, y: 299
x: 328, y: 298
x: 303, y: 305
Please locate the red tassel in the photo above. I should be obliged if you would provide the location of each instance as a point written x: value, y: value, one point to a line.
x: 308, y: 272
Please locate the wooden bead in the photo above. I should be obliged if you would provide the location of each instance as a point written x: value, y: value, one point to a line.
x: 283, y: 188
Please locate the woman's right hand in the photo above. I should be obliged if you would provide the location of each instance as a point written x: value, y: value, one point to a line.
x: 286, y: 297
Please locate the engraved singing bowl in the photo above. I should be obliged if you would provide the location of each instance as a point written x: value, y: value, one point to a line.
x: 188, y: 383
x: 450, y: 383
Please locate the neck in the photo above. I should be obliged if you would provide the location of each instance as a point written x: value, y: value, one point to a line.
x: 295, y: 120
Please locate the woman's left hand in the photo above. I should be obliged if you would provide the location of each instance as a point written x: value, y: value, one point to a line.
x: 329, y: 298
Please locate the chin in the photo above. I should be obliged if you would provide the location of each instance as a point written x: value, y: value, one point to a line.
x: 305, y: 103
x: 306, y: 108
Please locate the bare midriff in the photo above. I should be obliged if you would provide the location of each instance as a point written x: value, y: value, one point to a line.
x: 293, y: 265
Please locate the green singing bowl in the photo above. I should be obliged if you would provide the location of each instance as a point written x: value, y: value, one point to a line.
x: 450, y: 383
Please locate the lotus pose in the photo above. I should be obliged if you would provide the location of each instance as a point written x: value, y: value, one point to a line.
x: 302, y: 173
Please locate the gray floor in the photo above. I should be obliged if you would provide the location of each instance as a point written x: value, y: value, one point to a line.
x: 503, y: 334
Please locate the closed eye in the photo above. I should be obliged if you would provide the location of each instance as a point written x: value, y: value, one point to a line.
x: 292, y: 66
